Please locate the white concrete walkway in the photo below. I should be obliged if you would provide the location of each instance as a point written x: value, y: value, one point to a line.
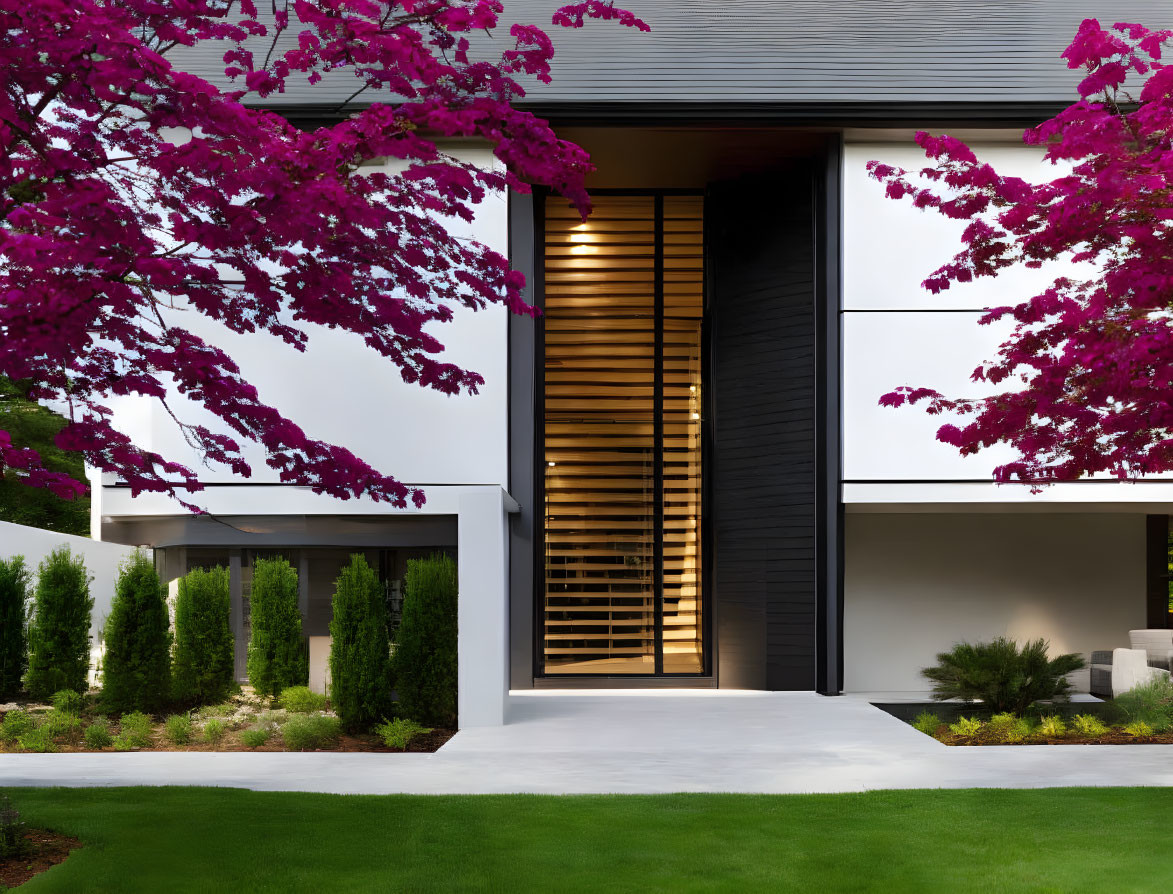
x: 651, y: 741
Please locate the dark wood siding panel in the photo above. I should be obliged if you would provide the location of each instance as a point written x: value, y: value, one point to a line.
x: 764, y: 475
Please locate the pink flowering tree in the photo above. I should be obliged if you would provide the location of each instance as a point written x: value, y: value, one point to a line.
x: 1084, y: 383
x: 110, y: 222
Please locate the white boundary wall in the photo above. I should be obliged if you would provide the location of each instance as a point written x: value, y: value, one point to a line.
x: 916, y: 583
x: 102, y: 561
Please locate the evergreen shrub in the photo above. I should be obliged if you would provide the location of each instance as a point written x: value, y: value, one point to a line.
x: 137, y: 665
x: 1000, y: 676
x: 360, y: 653
x: 205, y: 656
x: 425, y: 653
x: 59, y: 633
x: 276, y: 651
x: 302, y: 700
x: 14, y: 597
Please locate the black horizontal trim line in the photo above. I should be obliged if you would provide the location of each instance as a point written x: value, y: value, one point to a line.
x: 1004, y: 483
x: 211, y: 484
x: 812, y: 113
x: 913, y: 310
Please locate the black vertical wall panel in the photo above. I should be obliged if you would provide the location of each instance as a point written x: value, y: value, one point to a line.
x: 763, y: 398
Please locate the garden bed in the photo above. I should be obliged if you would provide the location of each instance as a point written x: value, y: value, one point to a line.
x: 1130, y: 721
x: 243, y: 723
x: 44, y: 849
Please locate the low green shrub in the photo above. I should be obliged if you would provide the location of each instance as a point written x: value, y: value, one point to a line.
x: 12, y: 840
x: 966, y: 726
x: 1089, y: 725
x: 927, y: 723
x: 1151, y: 704
x: 256, y: 737
x: 301, y: 700
x: 97, y: 734
x: 68, y: 702
x: 134, y: 731
x: 37, y: 739
x: 227, y: 709
x: 62, y: 725
x: 1000, y: 676
x: 303, y: 732
x: 177, y: 729
x: 1052, y: 727
x: 397, y: 733
x: 214, y: 731
x: 1139, y: 728
x: 16, y: 723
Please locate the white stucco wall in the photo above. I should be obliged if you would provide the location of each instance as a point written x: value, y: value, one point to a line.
x: 101, y: 559
x: 341, y: 391
x: 917, y: 583
x: 897, y: 333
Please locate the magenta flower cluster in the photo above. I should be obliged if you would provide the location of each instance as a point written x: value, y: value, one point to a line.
x: 1088, y: 370
x: 111, y: 224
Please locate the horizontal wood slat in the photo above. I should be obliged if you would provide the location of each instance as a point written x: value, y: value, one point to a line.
x: 601, y: 449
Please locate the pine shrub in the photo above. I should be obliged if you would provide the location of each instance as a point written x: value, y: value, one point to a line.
x: 1000, y: 676
x: 205, y: 657
x: 68, y: 701
x: 137, y: 666
x: 360, y: 653
x: 425, y: 654
x: 276, y: 651
x: 59, y: 634
x: 14, y: 596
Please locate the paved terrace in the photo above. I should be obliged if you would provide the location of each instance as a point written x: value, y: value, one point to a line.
x: 638, y: 742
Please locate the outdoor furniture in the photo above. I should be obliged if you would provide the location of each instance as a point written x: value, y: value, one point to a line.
x: 1120, y: 670
x: 1157, y: 644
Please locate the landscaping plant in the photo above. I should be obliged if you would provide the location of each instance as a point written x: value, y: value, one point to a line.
x: 62, y: 725
x: 14, y: 597
x: 97, y: 734
x: 204, y: 659
x: 136, y: 669
x: 1052, y: 727
x: 68, y: 702
x: 398, y: 733
x: 255, y: 737
x: 425, y: 650
x: 966, y: 726
x: 39, y: 739
x: 177, y: 729
x: 1150, y: 703
x: 360, y: 653
x: 134, y: 732
x: 12, y: 842
x: 16, y: 723
x: 303, y: 732
x: 927, y: 723
x: 59, y: 632
x: 301, y: 700
x: 1000, y: 676
x: 276, y: 650
x: 1139, y: 729
x: 1089, y: 725
x: 214, y: 731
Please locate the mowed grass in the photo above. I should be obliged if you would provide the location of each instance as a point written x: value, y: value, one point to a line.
x: 229, y: 840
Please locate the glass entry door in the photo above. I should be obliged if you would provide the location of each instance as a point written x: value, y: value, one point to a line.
x: 621, y: 408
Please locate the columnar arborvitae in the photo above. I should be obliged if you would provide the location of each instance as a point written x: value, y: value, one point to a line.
x: 59, y: 635
x: 14, y: 594
x: 276, y: 652
x: 136, y: 670
x: 204, y: 660
x: 425, y: 651
x: 360, y: 653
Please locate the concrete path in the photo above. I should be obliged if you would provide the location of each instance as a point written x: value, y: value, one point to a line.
x: 648, y: 742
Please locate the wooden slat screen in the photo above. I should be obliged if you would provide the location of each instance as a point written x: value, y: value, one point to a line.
x: 603, y: 529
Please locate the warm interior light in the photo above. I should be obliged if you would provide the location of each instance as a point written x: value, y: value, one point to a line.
x: 551, y: 464
x: 696, y: 415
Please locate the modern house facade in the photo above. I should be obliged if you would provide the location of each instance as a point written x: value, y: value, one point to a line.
x: 679, y: 475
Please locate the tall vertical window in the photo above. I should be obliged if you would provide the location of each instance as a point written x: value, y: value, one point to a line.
x: 624, y: 300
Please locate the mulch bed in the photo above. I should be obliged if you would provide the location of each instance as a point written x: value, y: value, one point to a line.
x: 1110, y: 739
x: 45, y: 850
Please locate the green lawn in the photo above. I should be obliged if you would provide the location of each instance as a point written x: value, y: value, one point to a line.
x: 209, y: 840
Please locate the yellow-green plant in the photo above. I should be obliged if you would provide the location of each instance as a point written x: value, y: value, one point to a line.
x: 967, y: 727
x: 214, y: 731
x: 927, y: 723
x: 398, y: 733
x: 1089, y: 725
x: 1137, y: 728
x: 1052, y: 727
